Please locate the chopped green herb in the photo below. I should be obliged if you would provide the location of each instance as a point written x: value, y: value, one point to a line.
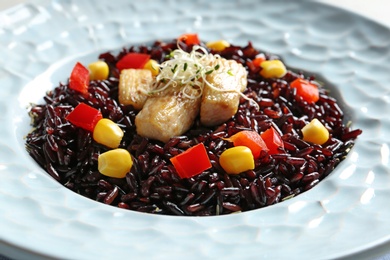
x: 170, y: 55
x: 230, y: 73
x: 209, y: 72
x: 185, y: 66
x: 174, y: 68
x: 216, y: 67
x: 288, y: 197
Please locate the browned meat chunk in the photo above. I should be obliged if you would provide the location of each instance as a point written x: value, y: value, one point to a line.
x: 168, y: 114
x: 218, y: 106
x: 133, y: 87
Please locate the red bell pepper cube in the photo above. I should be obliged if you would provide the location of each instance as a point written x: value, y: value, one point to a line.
x: 191, y: 162
x: 273, y: 141
x: 257, y: 61
x: 84, y: 116
x: 189, y: 39
x: 308, y: 91
x: 250, y: 139
x: 79, y: 78
x: 133, y: 60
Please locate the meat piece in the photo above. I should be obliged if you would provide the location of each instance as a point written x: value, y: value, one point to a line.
x: 218, y: 106
x: 168, y: 114
x: 133, y: 87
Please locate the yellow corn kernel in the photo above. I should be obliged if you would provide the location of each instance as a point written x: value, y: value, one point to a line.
x: 237, y: 159
x: 98, y: 70
x: 218, y: 45
x: 272, y: 69
x: 107, y: 133
x: 115, y: 163
x: 153, y: 66
x: 315, y: 132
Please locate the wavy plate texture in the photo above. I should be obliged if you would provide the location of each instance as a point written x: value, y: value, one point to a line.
x: 346, y: 213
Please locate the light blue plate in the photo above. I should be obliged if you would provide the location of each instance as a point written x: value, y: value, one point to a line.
x: 346, y: 213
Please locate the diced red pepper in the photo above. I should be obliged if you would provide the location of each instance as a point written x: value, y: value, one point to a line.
x: 191, y: 162
x: 133, y: 60
x: 250, y: 139
x: 308, y: 91
x: 79, y: 78
x: 84, y: 116
x: 254, y: 65
x: 273, y: 141
x: 189, y: 39
x: 258, y: 60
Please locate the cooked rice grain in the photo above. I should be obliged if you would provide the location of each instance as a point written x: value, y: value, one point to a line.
x: 70, y: 155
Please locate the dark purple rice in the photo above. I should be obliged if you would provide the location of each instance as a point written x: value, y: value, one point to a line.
x: 70, y: 155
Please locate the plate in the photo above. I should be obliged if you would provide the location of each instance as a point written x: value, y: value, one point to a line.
x: 345, y: 214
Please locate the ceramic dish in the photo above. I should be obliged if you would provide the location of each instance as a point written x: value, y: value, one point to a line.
x: 345, y: 214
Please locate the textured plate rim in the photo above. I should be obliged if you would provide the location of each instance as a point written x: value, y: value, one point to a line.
x: 303, y: 197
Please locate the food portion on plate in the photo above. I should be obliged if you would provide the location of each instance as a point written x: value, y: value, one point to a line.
x: 186, y: 127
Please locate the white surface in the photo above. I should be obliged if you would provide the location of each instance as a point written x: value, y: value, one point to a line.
x: 377, y: 10
x: 84, y: 218
x: 9, y: 3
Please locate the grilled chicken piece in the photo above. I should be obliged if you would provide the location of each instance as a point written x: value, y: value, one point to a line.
x: 133, y: 87
x: 218, y: 106
x: 168, y: 114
